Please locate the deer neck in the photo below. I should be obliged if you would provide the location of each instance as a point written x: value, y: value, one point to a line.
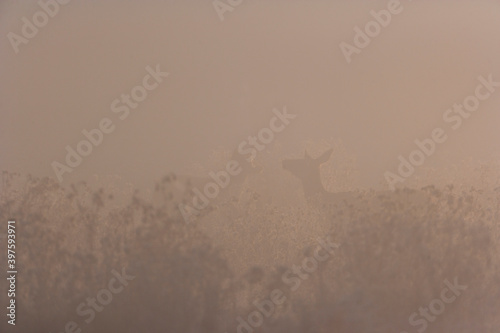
x: 313, y: 186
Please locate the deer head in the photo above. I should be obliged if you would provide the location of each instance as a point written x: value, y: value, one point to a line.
x: 307, y: 170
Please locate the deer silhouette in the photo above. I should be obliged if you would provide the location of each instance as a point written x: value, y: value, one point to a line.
x: 307, y: 170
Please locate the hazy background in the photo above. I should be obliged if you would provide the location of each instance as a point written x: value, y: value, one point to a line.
x: 225, y: 78
x: 397, y: 249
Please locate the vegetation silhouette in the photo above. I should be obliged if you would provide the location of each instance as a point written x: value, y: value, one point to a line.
x: 203, y: 276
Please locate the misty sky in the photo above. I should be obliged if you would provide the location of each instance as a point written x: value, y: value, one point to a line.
x: 227, y: 76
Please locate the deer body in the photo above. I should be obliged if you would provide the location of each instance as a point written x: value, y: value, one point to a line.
x: 307, y: 170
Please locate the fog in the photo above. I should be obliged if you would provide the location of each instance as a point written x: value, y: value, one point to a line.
x: 225, y: 78
x: 311, y: 128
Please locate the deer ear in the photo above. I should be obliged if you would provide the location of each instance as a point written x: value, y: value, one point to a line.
x: 325, y: 156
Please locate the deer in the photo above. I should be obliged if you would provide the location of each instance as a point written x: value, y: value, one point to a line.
x: 307, y: 170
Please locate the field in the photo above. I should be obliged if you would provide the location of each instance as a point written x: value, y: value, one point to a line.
x: 264, y: 259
